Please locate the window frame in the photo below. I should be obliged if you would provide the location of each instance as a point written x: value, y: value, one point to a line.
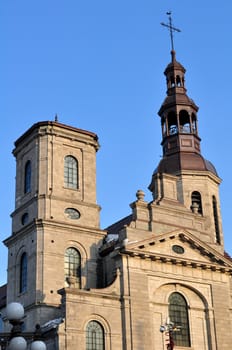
x: 178, y: 314
x: 72, y: 265
x: 23, y: 273
x: 196, y: 199
x: 216, y: 220
x: 27, y: 177
x: 95, y: 336
x: 71, y: 172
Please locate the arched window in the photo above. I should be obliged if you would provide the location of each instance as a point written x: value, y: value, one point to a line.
x: 70, y: 172
x: 178, y: 80
x: 196, y: 202
x: 184, y: 122
x: 163, y: 124
x: 72, y: 266
x: 95, y: 336
x: 216, y: 222
x: 178, y: 314
x: 27, y: 177
x: 23, y: 273
x: 172, y: 123
x: 25, y: 219
x: 194, y: 123
x: 170, y: 81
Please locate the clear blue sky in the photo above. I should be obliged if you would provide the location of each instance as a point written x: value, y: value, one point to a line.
x: 99, y: 65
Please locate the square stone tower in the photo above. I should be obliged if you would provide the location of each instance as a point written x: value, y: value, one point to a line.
x: 55, y: 224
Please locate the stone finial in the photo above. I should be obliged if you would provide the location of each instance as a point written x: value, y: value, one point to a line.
x: 140, y: 195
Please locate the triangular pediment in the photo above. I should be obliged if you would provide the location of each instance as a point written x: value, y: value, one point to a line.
x: 179, y: 247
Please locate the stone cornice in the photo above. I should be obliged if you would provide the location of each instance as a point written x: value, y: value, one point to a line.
x: 216, y: 261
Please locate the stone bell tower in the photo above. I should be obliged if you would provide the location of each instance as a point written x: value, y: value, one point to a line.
x: 55, y: 210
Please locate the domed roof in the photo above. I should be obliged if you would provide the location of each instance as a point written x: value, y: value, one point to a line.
x: 177, y: 162
x: 174, y: 65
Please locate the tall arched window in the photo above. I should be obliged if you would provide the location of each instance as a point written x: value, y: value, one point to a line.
x: 95, y: 339
x: 72, y: 266
x: 194, y: 123
x: 178, y: 80
x: 196, y: 201
x: 164, y: 127
x: 178, y: 314
x: 23, y: 273
x: 184, y: 121
x: 172, y: 123
x: 216, y: 222
x: 70, y: 172
x: 27, y: 177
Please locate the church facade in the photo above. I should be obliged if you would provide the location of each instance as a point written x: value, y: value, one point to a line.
x: 157, y: 279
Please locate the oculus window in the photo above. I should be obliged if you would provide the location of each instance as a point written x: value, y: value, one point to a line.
x: 72, y: 213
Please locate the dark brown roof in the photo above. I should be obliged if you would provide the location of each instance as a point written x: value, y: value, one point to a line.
x: 177, y: 99
x: 117, y: 226
x: 176, y: 162
x: 174, y: 64
x: 3, y: 290
x: 226, y: 255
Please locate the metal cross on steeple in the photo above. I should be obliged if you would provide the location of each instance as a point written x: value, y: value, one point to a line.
x: 171, y: 28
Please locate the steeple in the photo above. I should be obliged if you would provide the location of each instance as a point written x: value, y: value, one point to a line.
x: 178, y: 113
x: 184, y: 181
x: 180, y: 137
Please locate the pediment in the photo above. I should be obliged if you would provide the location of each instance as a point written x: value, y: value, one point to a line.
x: 179, y: 247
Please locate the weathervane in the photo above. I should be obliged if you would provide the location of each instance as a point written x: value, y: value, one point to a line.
x: 171, y: 28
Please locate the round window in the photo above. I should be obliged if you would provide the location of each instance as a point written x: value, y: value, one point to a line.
x: 178, y: 249
x: 72, y: 213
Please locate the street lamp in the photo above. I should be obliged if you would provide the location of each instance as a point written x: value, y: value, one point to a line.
x: 168, y: 328
x: 16, y: 338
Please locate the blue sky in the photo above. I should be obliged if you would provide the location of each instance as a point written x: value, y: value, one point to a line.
x: 99, y: 66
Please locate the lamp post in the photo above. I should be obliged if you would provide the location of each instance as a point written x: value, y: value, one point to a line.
x: 168, y: 328
x: 16, y: 339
